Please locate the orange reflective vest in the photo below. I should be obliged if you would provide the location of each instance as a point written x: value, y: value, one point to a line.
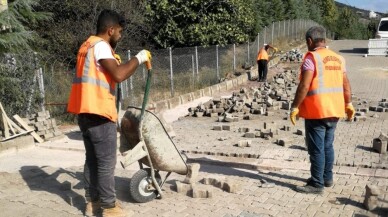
x: 325, y: 98
x: 262, y: 55
x: 92, y: 91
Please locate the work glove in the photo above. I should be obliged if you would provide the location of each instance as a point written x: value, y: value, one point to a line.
x: 293, y: 115
x: 118, y: 58
x: 349, y: 109
x: 276, y: 49
x: 143, y: 56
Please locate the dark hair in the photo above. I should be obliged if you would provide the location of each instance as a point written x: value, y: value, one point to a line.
x: 316, y: 33
x: 109, y: 18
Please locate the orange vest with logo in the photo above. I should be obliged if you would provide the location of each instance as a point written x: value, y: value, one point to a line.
x: 92, y: 91
x: 325, y: 98
x: 263, y: 55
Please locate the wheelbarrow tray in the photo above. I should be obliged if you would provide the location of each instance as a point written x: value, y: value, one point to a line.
x: 162, y: 150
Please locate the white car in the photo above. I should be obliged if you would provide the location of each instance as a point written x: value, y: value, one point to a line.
x: 382, y: 29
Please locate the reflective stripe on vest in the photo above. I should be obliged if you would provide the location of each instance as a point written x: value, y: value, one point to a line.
x: 321, y: 85
x: 325, y: 97
x: 85, y: 74
x: 89, y: 80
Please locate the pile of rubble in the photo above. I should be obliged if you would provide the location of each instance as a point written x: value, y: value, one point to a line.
x: 247, y: 103
x: 294, y: 55
x: 44, y: 125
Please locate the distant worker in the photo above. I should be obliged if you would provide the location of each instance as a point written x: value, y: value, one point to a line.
x: 92, y: 98
x: 323, y: 96
x: 262, y: 62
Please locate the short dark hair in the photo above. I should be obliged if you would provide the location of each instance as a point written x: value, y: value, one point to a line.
x: 108, y: 18
x: 316, y: 33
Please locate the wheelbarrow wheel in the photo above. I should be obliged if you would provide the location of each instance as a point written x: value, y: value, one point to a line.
x: 139, y: 186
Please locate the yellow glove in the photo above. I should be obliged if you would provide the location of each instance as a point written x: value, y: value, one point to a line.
x: 349, y: 109
x: 143, y: 56
x: 276, y: 49
x: 293, y: 115
x: 118, y: 58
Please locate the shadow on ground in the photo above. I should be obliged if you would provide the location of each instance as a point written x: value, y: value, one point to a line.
x: 37, y: 179
x: 355, y: 51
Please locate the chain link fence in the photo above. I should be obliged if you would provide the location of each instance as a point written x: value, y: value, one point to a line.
x: 29, y: 83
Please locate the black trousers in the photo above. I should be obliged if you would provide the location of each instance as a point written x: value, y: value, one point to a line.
x: 100, y: 140
x: 262, y: 69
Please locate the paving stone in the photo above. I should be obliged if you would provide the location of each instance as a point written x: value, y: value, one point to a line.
x: 192, y: 174
x: 198, y: 192
x: 226, y: 127
x: 244, y: 143
x: 380, y: 146
x: 217, y: 128
x: 183, y: 188
x: 250, y: 135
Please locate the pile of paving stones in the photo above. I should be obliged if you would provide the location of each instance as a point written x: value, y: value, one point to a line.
x: 247, y: 103
x: 44, y: 125
x: 381, y: 107
x: 294, y: 55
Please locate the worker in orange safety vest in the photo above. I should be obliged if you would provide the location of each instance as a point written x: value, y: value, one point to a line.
x: 262, y: 62
x: 92, y: 98
x: 322, y: 97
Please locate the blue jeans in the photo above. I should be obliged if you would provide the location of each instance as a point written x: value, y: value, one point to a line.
x: 100, y: 140
x: 319, y: 139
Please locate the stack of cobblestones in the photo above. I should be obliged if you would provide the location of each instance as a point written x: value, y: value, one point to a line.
x: 382, y: 106
x: 45, y: 126
x: 294, y: 55
x: 245, y: 104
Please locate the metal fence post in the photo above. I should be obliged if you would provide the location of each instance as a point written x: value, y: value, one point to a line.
x: 265, y: 33
x: 278, y: 30
x: 196, y: 58
x: 284, y: 28
x: 171, y: 73
x: 248, y: 53
x: 258, y: 43
x: 273, y: 27
x: 41, y: 88
x: 217, y: 64
x: 130, y: 78
x: 234, y: 57
x: 193, y: 66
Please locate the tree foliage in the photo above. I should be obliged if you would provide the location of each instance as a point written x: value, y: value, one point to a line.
x: 15, y: 34
x: 188, y: 23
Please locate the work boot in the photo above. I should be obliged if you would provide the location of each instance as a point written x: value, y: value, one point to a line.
x: 326, y: 183
x: 116, y: 211
x: 92, y: 208
x: 309, y: 189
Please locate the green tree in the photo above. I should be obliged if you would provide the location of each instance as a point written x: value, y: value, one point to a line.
x: 315, y: 11
x: 15, y: 34
x: 349, y: 27
x: 296, y: 9
x: 200, y: 22
x: 329, y: 13
x: 277, y: 11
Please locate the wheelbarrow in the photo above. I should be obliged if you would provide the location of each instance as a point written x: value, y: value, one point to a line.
x: 144, y: 139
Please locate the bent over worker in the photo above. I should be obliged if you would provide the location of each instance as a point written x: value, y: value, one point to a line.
x: 323, y: 96
x: 262, y: 62
x: 92, y: 98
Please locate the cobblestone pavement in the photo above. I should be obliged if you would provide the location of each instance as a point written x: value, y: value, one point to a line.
x: 30, y: 189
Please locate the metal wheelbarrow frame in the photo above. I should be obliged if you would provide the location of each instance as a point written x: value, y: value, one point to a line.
x: 144, y: 139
